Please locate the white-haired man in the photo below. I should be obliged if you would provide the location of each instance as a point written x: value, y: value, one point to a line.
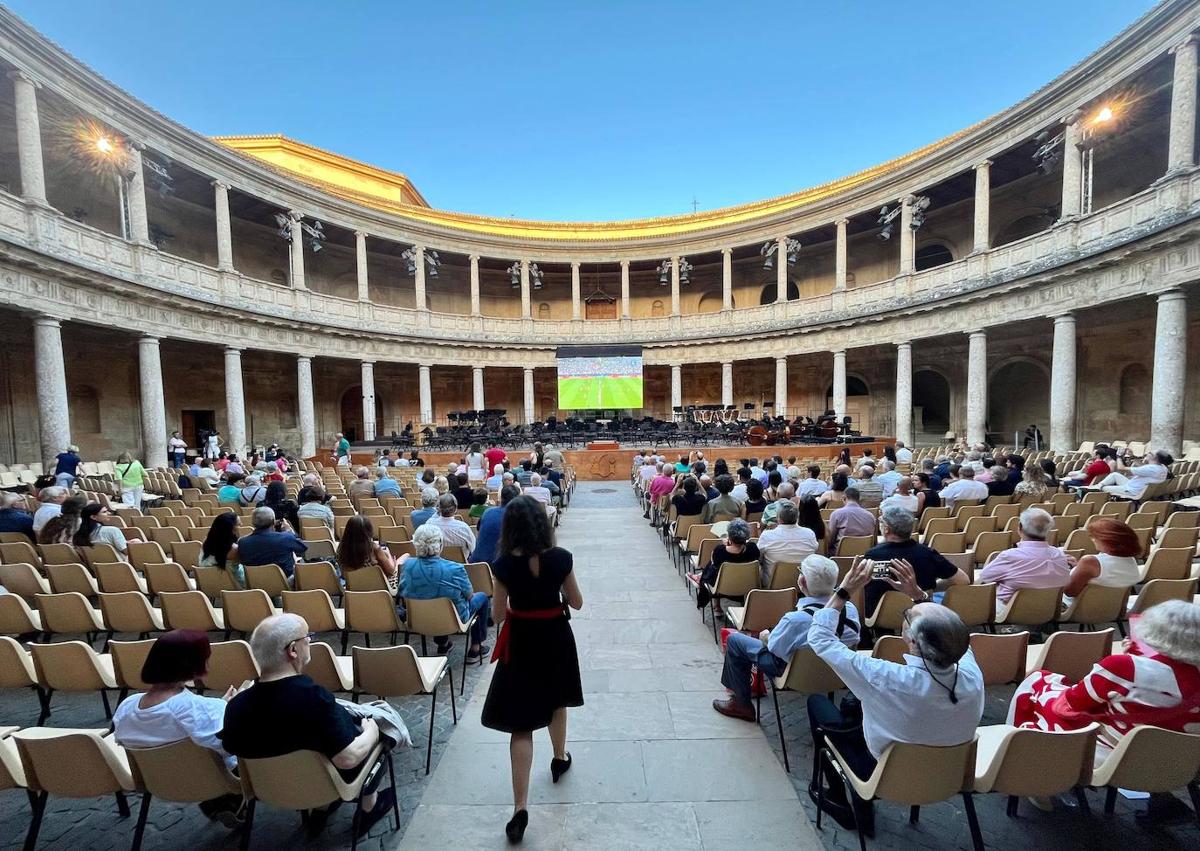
x: 454, y: 531
x: 772, y: 649
x: 541, y: 493
x: 1032, y: 563
x: 428, y: 509
x: 903, y: 453
x: 285, y: 712
x: 362, y: 487
x: 51, y: 500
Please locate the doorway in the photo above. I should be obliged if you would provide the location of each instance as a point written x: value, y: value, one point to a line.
x: 193, y: 422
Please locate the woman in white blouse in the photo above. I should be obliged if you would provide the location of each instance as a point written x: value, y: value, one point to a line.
x: 1115, y: 566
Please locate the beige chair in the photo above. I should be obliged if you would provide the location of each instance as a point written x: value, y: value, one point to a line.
x: 182, y: 772
x: 306, y: 780
x: 190, y: 610
x: 20, y: 552
x: 23, y: 580
x: 333, y: 672
x: 1033, y: 763
x: 244, y: 610
x: 1031, y: 607
x: 1001, y: 658
x: 1151, y: 759
x: 735, y: 579
x: 432, y: 618
x: 372, y: 611
x: 130, y: 612
x: 147, y: 552
x: 69, y: 614
x: 454, y: 552
x: 317, y: 609
x: 890, y: 648
x: 988, y: 543
x: 948, y: 542
x: 67, y: 577
x: 914, y: 775
x: 187, y: 553
x: 1167, y: 563
x: 17, y: 670
x: 71, y: 763
x: 230, y: 664
x: 480, y: 574
x: 211, y: 581
x: 72, y: 666
x: 58, y: 554
x: 855, y: 545
x: 16, y: 618
x: 12, y: 773
x: 889, y: 611
x: 1071, y: 654
x: 975, y: 604
x: 763, y: 610
x: 806, y: 673
x: 1159, y: 590
x: 128, y: 657
x: 167, y: 577
x: 268, y: 577
x: 117, y: 576
x: 317, y: 575
x: 369, y: 578
x: 398, y: 672
x: 1097, y: 604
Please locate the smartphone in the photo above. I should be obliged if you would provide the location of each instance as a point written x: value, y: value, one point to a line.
x: 881, y: 570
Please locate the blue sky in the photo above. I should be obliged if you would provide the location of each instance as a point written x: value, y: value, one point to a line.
x: 600, y: 110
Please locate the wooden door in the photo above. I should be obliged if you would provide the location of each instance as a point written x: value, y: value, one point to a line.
x: 601, y: 310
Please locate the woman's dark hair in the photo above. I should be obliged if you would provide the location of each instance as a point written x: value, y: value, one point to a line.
x: 889, y: 453
x: 924, y: 479
x: 87, y: 524
x: 479, y: 496
x: 221, y: 537
x: 988, y: 462
x: 357, y: 545
x: 428, y: 476
x: 724, y: 484
x: 276, y: 493
x: 526, y: 528
x: 508, y: 493
x: 720, y: 468
x: 1050, y: 467
x: 754, y: 490
x: 810, y: 517
x: 235, y: 479
x: 308, y: 493
x: 838, y: 481
x: 204, y: 462
x: 774, y: 479
x: 690, y: 485
x: 176, y: 657
x: 844, y: 456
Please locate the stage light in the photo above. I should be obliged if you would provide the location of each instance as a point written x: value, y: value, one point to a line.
x: 535, y: 276
x: 1105, y: 114
x: 664, y: 273
x: 105, y: 146
x: 685, y: 270
x: 919, y: 205
x: 514, y: 275
x: 433, y: 262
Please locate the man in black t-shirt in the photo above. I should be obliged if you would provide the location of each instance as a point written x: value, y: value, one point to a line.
x: 932, y: 570
x: 285, y: 712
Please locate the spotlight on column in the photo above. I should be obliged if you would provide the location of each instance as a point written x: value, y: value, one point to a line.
x: 285, y: 227
x: 919, y: 206
x: 535, y: 276
x: 767, y: 251
x: 1049, y: 150
x: 514, y: 275
x: 433, y: 262
x: 316, y: 235
x: 685, y: 271
x: 664, y: 273
x: 887, y: 219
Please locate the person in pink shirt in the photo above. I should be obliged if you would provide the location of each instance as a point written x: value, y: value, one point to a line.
x: 661, y: 485
x: 1032, y: 563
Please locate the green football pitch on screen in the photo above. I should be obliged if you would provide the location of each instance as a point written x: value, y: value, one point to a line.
x: 603, y: 391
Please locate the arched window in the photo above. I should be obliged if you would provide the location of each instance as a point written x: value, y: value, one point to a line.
x: 769, y: 291
x: 84, y: 407
x: 1023, y: 227
x: 1134, y: 392
x: 656, y: 308
x: 932, y: 255
x: 543, y: 311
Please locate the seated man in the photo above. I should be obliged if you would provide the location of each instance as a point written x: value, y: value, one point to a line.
x: 285, y: 712
x: 523, y: 472
x: 551, y: 485
x: 870, y: 492
x: 744, y: 475
x: 787, y: 542
x: 889, y: 479
x: 266, y: 546
x: 428, y: 576
x: 814, y: 485
x: 931, y: 569
x: 936, y: 698
x: 464, y: 494
x: 385, y: 485
x: 786, y: 492
x: 541, y: 493
x: 429, y: 498
x: 964, y: 488
x: 1032, y: 563
x: 454, y: 531
x: 1155, y: 468
x: 903, y: 453
x: 723, y: 503
x: 14, y: 519
x: 662, y: 484
x: 773, y: 648
x: 851, y: 520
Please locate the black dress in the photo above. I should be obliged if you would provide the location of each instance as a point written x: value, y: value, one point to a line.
x: 542, y: 671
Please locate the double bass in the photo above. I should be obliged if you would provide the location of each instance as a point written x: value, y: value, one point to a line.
x: 760, y: 435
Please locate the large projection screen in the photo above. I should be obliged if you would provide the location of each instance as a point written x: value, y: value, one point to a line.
x: 599, y: 377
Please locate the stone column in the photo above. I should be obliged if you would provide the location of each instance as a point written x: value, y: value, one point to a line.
x: 625, y: 289
x: 908, y: 237
x: 983, y: 207
x: 527, y: 373
x: 1170, y: 370
x: 1181, y: 146
x: 29, y: 142
x: 675, y: 286
x: 360, y: 265
x: 154, y: 413
x: 904, y: 392
x: 477, y: 401
x: 370, y: 427
x: 297, y: 250
x: 224, y: 228
x: 306, y: 414
x: 839, y: 273
x: 839, y: 384
x: 977, y: 391
x: 781, y: 276
x: 475, y: 311
x: 727, y: 383
x: 676, y: 386
x: 425, y: 393
x: 781, y: 388
x: 1072, y: 189
x: 51, y: 379
x: 727, y: 279
x: 139, y: 222
x: 1062, y: 386
x: 526, y: 295
x: 576, y: 303
x: 235, y: 403
x: 419, y: 278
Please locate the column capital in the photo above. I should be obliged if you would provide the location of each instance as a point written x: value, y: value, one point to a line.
x: 839, y: 353
x: 477, y: 369
x: 527, y: 369
x: 1073, y: 117
x: 367, y: 362
x: 977, y: 332
x: 220, y: 184
x: 423, y: 367
x: 726, y: 363
x: 782, y: 240
x: 135, y: 145
x: 1172, y: 295
x: 360, y: 234
x: 781, y: 358
x: 474, y: 258
x: 303, y: 359
x: 233, y: 350
x: 1063, y: 317
x: 24, y: 76
x: 1188, y: 40
x: 295, y: 215
x: 904, y: 344
x: 47, y: 322
x: 149, y: 338
x: 983, y: 164
x: 908, y: 199
x: 575, y: 264
x: 842, y: 222
x: 624, y: 264
x: 726, y: 251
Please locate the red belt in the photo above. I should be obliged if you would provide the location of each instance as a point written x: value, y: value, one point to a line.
x: 501, y: 650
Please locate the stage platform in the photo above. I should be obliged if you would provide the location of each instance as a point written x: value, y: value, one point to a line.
x: 604, y: 465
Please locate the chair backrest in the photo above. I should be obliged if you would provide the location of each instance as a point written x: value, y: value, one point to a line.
x: 1081, y: 539
x: 72, y: 763
x: 369, y: 578
x: 855, y: 545
x: 432, y: 617
x: 1178, y: 536
x: 230, y: 664
x: 371, y: 611
x: 213, y: 580
x: 1073, y: 654
x: 1033, y: 606
x: 16, y: 665
x: 1097, y: 604
x: 1120, y: 509
x: 766, y: 608
x: 931, y: 514
x: 187, y: 553
x: 71, y: 577
x: 975, y: 604
x: 129, y: 611
x: 964, y: 512
x: 890, y: 648
x: 115, y: 577
x: 736, y: 579
x: 188, y: 610
x: 1151, y: 759
x: 317, y: 575
x: 387, y: 671
x: 316, y: 607
x: 1041, y: 763
x: 16, y: 617
x: 977, y: 525
x: 268, y: 577
x: 166, y: 535
x: 58, y: 554
x: 20, y: 552
x: 784, y: 576
x: 1169, y: 563
x: 69, y: 666
x: 23, y: 580
x: 480, y: 574
x: 1001, y: 658
x: 244, y: 610
x: 68, y: 613
x: 454, y: 552
x: 182, y: 771
x: 889, y: 611
x: 327, y: 670
x: 988, y: 543
x: 165, y: 576
x: 948, y: 542
x: 147, y: 552
x: 128, y: 657
x: 696, y: 533
x: 1160, y: 590
x: 808, y: 673
x: 301, y: 780
x: 917, y: 775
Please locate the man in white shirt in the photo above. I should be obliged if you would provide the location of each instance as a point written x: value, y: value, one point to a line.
x: 454, y: 531
x: 541, y: 493
x: 964, y: 487
x: 903, y: 453
x: 743, y: 478
x: 51, y: 500
x: 813, y: 486
x: 787, y: 542
x: 647, y: 471
x: 889, y: 478
x: 870, y: 492
x: 935, y: 698
x: 1155, y: 468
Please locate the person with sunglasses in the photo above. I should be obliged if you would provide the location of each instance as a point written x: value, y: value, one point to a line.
x: 935, y: 698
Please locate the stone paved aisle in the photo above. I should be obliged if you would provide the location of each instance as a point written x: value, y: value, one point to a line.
x: 654, y: 766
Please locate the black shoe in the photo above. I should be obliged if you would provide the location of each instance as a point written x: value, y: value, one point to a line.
x: 515, y: 829
x: 383, y: 804
x: 559, y: 767
x: 837, y: 809
x: 443, y: 649
x: 222, y: 808
x: 317, y: 819
x: 1164, y: 809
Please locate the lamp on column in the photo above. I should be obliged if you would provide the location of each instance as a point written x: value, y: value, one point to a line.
x: 685, y: 269
x: 1048, y: 153
x: 888, y: 216
x: 664, y: 273
x: 432, y: 261
x: 315, y: 232
x: 770, y: 248
x: 535, y: 276
x: 514, y: 274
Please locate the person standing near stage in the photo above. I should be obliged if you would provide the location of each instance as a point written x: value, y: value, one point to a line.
x: 494, y: 455
x: 341, y: 451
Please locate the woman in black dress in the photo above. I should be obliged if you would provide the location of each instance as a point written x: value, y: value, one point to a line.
x: 537, y: 675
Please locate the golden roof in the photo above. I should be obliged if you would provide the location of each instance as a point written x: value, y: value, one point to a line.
x: 393, y: 193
